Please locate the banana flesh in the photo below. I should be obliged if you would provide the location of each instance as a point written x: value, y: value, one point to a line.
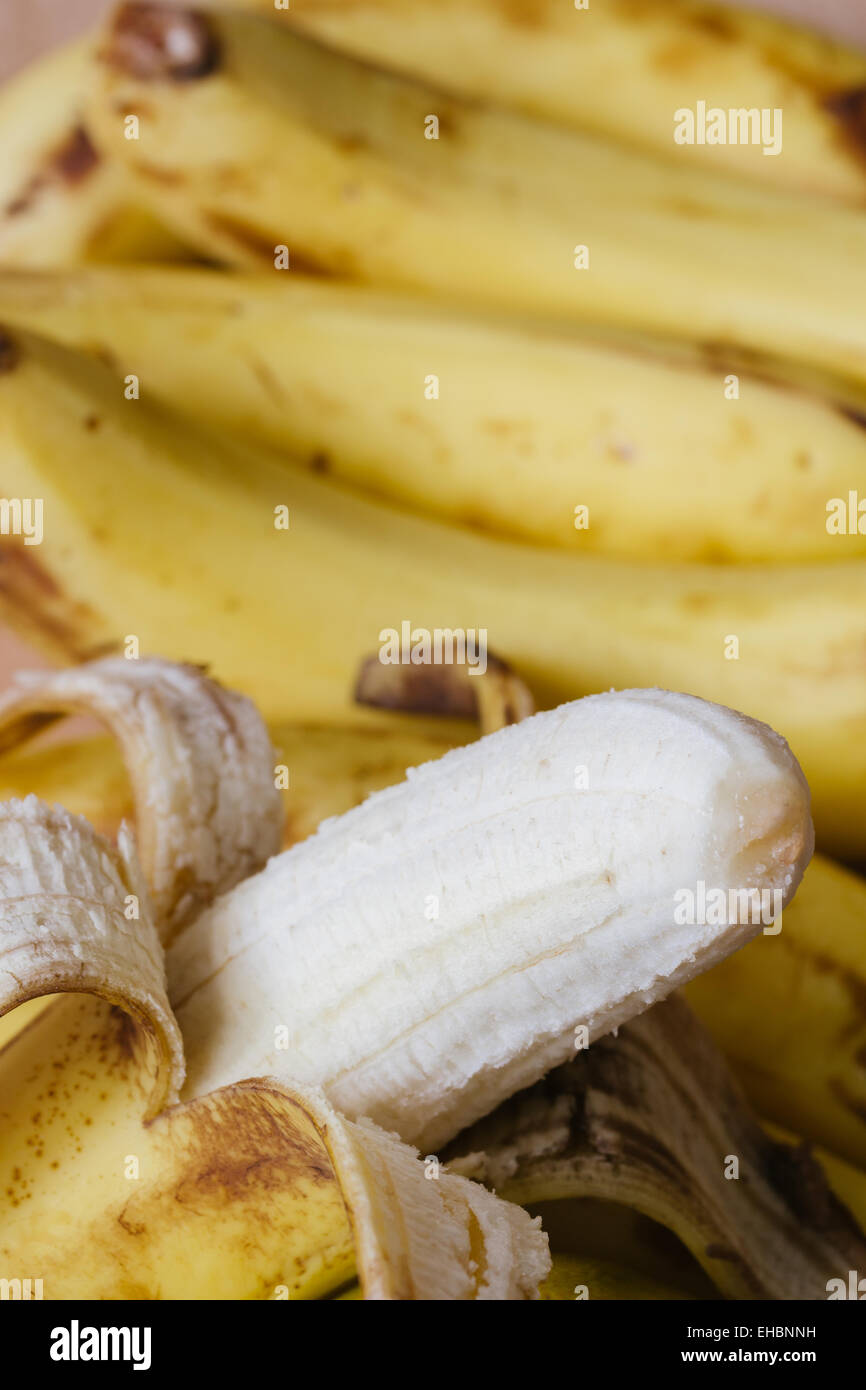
x: 369, y: 1001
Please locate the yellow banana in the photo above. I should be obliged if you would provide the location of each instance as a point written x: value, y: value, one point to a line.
x: 170, y: 537
x: 61, y: 201
x: 622, y: 69
x: 564, y: 440
x: 273, y: 146
x: 790, y: 1012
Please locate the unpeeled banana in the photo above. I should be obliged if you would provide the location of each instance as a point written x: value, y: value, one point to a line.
x: 556, y: 438
x: 260, y: 144
x: 622, y: 69
x: 61, y: 201
x: 167, y: 536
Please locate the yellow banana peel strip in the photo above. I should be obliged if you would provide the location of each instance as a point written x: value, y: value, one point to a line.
x: 172, y: 1208
x: 653, y: 1119
x: 200, y: 761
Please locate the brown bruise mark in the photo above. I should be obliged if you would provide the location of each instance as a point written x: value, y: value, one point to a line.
x: 160, y: 43
x: 269, y: 383
x: 34, y: 602
x: 857, y: 417
x: 848, y: 108
x: 70, y: 163
x: 10, y: 353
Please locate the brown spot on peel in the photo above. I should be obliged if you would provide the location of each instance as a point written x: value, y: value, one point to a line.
x: 160, y: 43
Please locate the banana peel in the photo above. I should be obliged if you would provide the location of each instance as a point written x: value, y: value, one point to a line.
x: 653, y: 1119
x: 110, y: 1193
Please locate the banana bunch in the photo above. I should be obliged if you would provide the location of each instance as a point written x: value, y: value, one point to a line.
x: 475, y: 345
x: 258, y: 143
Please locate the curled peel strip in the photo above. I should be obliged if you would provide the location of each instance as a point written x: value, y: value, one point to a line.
x: 199, y: 759
x: 652, y: 1120
x: 75, y: 918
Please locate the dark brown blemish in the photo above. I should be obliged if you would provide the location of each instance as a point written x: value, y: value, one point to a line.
x: 849, y: 109
x: 9, y: 352
x: 70, y: 162
x: 857, y: 417
x: 320, y: 462
x: 92, y: 422
x: 420, y: 689
x: 75, y: 158
x: 29, y: 590
x: 155, y: 43
x: 248, y: 238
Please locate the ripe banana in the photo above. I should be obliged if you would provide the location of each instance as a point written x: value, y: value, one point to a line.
x: 128, y: 490
x: 652, y: 1119
x: 258, y: 138
x: 531, y: 425
x: 61, y: 201
x: 622, y: 69
x: 789, y: 1013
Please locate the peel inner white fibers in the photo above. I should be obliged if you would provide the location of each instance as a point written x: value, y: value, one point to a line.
x: 434, y: 950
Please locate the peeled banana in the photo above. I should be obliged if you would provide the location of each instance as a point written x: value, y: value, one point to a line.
x: 171, y: 538
x: 799, y: 1060
x: 260, y: 144
x: 622, y: 69
x: 560, y: 439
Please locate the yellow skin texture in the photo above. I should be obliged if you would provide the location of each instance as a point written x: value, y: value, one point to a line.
x: 619, y: 68
x: 531, y: 422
